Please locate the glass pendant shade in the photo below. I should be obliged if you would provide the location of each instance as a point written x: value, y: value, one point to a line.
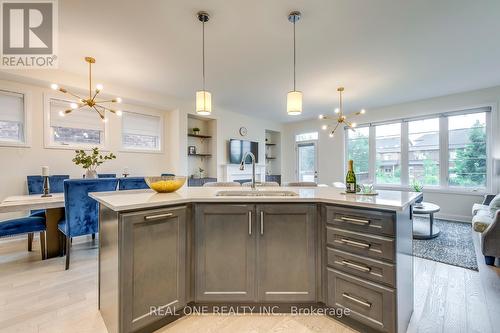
x: 203, y: 102
x: 294, y: 103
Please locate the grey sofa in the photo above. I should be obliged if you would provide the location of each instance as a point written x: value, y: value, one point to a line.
x: 489, y: 227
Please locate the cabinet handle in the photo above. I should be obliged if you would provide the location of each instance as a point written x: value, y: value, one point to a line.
x: 356, y: 266
x: 354, y: 221
x: 354, y: 299
x: 353, y: 243
x: 250, y: 222
x: 158, y: 216
x: 261, y: 222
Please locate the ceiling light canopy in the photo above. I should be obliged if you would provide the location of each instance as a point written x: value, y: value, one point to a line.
x: 203, y: 97
x: 294, y: 98
x: 91, y: 101
x: 340, y: 117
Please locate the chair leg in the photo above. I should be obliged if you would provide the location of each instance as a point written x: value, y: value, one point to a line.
x: 490, y: 261
x: 30, y: 241
x: 93, y: 236
x: 68, y: 247
x: 42, y: 245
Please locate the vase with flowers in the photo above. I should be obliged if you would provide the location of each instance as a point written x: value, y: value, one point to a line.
x: 90, y: 161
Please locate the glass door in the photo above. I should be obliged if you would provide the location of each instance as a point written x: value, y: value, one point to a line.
x: 307, y: 162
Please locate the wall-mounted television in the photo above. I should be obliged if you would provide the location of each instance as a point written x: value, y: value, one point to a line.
x: 237, y: 148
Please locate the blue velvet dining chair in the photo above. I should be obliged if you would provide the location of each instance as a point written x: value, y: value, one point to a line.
x: 81, y: 211
x: 132, y: 183
x: 35, y: 186
x: 25, y: 225
x: 106, y: 175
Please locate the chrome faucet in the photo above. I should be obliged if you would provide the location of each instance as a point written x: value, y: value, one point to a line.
x: 242, y: 166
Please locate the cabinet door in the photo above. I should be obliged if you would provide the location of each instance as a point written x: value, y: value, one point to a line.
x: 154, y: 269
x: 225, y: 252
x: 286, y: 252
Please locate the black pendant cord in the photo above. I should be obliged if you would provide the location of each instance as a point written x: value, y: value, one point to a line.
x: 203, y: 52
x: 294, y: 61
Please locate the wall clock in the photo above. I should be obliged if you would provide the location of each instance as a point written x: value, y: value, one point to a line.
x: 243, y: 131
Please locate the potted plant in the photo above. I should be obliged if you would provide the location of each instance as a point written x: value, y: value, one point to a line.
x: 91, y: 161
x: 416, y: 186
x: 196, y: 131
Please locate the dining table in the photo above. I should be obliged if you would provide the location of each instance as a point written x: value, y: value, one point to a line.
x: 54, y: 212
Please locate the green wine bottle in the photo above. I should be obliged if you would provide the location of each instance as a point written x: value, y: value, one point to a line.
x: 350, y: 179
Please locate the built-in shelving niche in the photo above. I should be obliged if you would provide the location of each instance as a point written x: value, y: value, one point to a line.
x: 273, y: 156
x: 205, y: 143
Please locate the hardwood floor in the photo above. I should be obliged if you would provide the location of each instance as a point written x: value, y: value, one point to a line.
x: 40, y: 296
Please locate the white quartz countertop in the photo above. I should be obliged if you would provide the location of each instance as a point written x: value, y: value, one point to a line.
x: 143, y: 199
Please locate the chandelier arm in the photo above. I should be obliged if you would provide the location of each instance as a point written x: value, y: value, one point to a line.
x: 95, y: 95
x: 106, y: 108
x: 99, y: 112
x: 70, y: 93
x: 90, y: 80
x: 335, y: 128
x: 106, y: 101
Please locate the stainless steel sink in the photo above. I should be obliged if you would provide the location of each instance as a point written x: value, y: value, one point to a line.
x: 256, y: 193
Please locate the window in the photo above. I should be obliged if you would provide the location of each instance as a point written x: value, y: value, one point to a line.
x: 423, y: 151
x: 358, y: 151
x: 12, y: 122
x: 306, y: 136
x: 81, y: 128
x: 446, y: 151
x: 141, y: 131
x: 467, y: 150
x: 388, y: 154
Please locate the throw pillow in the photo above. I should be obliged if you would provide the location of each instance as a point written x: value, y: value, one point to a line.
x: 495, y: 205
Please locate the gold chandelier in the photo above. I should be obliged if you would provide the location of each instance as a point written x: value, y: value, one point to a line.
x: 91, y: 101
x: 340, y: 117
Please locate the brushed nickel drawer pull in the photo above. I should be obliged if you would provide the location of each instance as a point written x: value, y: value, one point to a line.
x: 354, y: 221
x: 356, y: 266
x: 353, y: 243
x: 159, y: 216
x: 250, y: 222
x: 354, y: 299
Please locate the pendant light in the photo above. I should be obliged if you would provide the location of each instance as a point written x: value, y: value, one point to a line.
x: 203, y: 97
x: 294, y: 97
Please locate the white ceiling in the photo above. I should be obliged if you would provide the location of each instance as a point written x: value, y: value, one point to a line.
x: 384, y: 51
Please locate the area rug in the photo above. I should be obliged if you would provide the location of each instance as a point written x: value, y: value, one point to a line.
x: 453, y: 246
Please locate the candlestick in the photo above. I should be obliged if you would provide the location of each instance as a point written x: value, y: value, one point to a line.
x: 45, y: 171
x: 125, y: 172
x: 46, y: 187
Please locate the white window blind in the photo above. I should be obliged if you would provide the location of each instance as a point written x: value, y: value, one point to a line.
x: 141, y: 131
x: 79, y: 129
x: 83, y: 118
x: 12, y: 120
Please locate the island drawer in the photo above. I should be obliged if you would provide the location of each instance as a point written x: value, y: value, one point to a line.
x: 375, y: 270
x: 374, y: 222
x: 370, y: 303
x: 372, y: 246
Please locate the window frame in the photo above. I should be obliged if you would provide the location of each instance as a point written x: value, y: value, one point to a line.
x: 47, y: 133
x: 444, y: 186
x: 26, y: 143
x: 161, y: 143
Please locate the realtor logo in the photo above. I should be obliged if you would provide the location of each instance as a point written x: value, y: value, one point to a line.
x: 29, y: 34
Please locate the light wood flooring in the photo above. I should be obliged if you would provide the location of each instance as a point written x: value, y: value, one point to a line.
x: 40, y: 296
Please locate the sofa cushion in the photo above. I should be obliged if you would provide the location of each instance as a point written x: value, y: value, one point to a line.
x: 477, y: 207
x: 495, y: 205
x: 482, y: 220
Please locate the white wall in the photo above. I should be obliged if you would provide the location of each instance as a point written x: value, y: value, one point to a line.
x: 331, y: 151
x: 18, y: 162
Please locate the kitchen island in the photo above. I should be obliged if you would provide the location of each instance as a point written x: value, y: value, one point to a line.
x: 160, y: 254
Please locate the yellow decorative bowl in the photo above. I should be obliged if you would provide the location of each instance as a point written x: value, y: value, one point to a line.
x: 165, y: 184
